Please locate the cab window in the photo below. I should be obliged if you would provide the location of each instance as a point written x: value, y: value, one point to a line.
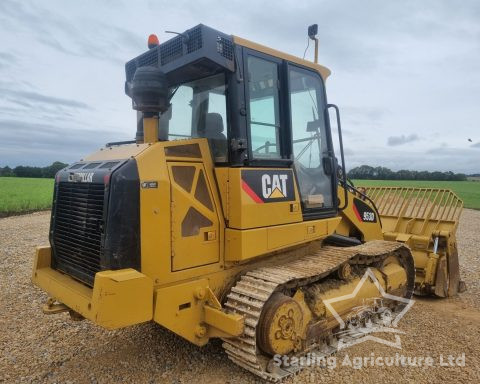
x: 264, y: 115
x: 310, y: 144
x: 199, y: 109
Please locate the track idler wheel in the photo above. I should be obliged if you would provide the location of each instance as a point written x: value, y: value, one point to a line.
x: 281, y: 325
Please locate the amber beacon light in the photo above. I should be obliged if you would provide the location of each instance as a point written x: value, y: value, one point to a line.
x: 153, y: 41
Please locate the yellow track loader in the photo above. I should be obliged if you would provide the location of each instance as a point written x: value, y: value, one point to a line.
x: 230, y: 217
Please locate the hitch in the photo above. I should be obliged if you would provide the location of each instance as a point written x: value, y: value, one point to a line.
x: 52, y: 307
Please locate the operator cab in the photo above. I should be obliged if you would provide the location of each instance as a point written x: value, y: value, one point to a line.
x: 257, y: 107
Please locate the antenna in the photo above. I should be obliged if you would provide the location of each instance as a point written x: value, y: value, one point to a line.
x: 312, y: 34
x: 185, y: 35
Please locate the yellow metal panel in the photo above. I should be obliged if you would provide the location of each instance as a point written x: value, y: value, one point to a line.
x: 192, y: 250
x: 403, y: 237
x: 430, y: 268
x: 246, y: 244
x: 177, y: 309
x: 282, y: 236
x: 244, y: 212
x: 351, y: 223
x: 320, y: 228
x: 118, y: 298
x: 155, y: 210
x: 221, y: 175
x: 117, y: 152
x: 65, y: 289
x: 421, y: 258
x: 344, y: 228
x: 150, y: 129
x: 121, y: 275
x: 230, y: 324
x: 187, y: 310
x: 43, y: 258
x: 121, y: 298
x: 324, y: 72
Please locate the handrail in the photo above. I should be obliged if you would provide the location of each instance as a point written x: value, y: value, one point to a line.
x: 344, y: 172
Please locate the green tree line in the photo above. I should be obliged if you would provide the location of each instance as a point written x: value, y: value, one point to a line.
x: 364, y: 172
x: 38, y: 172
x: 367, y: 172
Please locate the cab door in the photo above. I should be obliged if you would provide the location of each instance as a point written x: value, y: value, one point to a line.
x: 286, y: 127
x: 195, y: 224
x: 311, y: 143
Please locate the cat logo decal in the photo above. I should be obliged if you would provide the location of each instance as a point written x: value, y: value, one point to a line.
x: 268, y: 186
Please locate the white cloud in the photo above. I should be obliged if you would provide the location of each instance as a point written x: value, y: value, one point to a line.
x: 398, y: 68
x: 402, y: 139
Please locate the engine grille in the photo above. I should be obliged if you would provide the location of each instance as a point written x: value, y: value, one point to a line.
x: 77, y: 229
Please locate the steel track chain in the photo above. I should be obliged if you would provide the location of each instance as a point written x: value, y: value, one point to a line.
x: 255, y: 287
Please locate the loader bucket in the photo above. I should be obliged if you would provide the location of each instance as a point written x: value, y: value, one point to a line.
x: 426, y: 219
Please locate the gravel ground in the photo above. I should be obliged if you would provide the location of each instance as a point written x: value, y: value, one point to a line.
x: 39, y: 348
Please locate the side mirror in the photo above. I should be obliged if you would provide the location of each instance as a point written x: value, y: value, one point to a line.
x: 312, y: 31
x: 313, y: 126
x: 329, y: 165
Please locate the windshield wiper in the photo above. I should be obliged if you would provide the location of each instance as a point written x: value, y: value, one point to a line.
x: 308, y: 145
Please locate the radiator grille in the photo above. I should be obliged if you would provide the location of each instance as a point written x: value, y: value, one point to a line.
x: 77, y: 229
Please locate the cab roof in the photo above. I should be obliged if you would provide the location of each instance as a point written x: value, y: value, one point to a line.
x: 324, y: 71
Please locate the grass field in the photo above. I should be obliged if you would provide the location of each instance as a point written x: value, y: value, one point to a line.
x: 468, y: 191
x: 19, y: 195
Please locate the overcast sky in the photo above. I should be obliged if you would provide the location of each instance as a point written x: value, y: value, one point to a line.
x: 405, y: 74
